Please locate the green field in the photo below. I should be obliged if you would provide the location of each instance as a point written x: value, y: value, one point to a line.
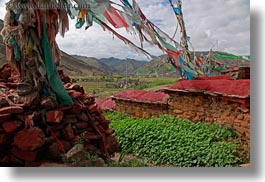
x: 168, y: 140
x: 97, y: 85
x: 99, y: 89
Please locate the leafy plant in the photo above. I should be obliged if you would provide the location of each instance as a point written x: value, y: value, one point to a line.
x: 176, y: 141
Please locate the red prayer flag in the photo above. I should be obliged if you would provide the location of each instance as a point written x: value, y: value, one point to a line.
x: 115, y: 18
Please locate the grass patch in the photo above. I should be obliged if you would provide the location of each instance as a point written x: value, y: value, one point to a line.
x: 178, y: 142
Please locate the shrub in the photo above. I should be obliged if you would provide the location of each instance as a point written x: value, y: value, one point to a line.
x: 175, y: 141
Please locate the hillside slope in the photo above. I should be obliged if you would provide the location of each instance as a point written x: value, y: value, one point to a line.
x: 120, y: 64
x: 77, y: 67
x: 96, y: 63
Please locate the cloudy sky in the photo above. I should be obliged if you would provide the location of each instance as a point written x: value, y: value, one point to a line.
x: 227, y: 21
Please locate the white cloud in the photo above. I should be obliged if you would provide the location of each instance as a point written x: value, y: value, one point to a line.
x: 227, y: 21
x: 2, y: 8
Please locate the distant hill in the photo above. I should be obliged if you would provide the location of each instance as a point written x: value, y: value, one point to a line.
x: 96, y: 63
x: 120, y: 64
x: 76, y: 67
x: 112, y: 65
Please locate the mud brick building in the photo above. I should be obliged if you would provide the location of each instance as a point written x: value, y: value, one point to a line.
x: 214, y: 100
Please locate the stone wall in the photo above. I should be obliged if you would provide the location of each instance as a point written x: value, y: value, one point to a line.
x: 195, y: 106
x: 200, y: 107
x: 140, y: 109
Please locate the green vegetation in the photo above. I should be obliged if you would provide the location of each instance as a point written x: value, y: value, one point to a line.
x: 152, y: 70
x: 174, y: 141
x: 99, y: 89
x: 231, y: 56
x: 97, y: 85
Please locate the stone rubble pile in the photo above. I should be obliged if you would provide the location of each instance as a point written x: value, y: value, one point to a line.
x: 34, y: 131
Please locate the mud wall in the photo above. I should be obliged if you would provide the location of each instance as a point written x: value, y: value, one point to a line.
x: 140, y: 109
x: 197, y: 107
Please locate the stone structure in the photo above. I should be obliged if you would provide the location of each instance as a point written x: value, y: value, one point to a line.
x: 141, y: 103
x: 31, y: 134
x: 216, y: 100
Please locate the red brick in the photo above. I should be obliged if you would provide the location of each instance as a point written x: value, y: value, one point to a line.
x: 109, y: 131
x: 176, y: 111
x: 247, y: 117
x: 82, y: 117
x: 68, y: 132
x: 247, y: 135
x: 210, y: 120
x: 240, y: 117
x: 197, y: 118
x: 245, y: 124
x: 29, y: 139
x: 105, y: 123
x: 56, y: 127
x: 77, y: 108
x: 11, y: 126
x: 244, y: 110
x: 11, y: 110
x: 54, y: 116
x: 25, y: 155
x: 70, y: 120
x: 92, y: 108
x: 92, y: 136
x: 74, y: 94
x: 54, y: 151
x: 70, y: 116
x: 241, y: 130
x: 81, y: 125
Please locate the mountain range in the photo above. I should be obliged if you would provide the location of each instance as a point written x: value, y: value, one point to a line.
x: 113, y: 65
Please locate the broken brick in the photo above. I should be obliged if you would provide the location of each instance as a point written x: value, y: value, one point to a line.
x: 70, y: 120
x: 25, y: 155
x: 54, y: 116
x: 81, y: 125
x: 82, y: 117
x: 11, y: 126
x: 74, y: 94
x: 68, y: 132
x: 92, y: 136
x: 92, y: 108
x: 54, y: 151
x: 30, y: 139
